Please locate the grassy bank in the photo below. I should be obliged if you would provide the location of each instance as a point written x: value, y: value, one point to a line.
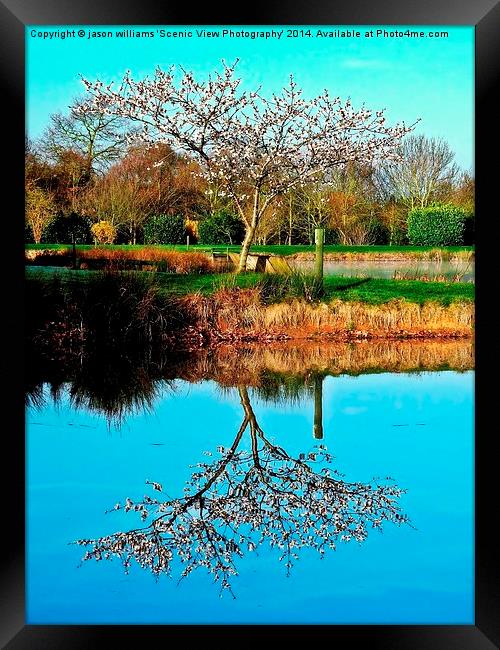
x: 69, y: 311
x: 365, y: 290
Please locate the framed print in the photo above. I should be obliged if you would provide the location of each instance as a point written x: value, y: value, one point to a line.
x: 247, y: 275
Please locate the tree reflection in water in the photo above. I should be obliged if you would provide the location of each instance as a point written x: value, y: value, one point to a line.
x: 254, y: 494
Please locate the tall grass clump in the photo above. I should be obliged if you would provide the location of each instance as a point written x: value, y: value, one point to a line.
x: 146, y: 258
x: 279, y: 288
x: 153, y: 258
x: 109, y: 311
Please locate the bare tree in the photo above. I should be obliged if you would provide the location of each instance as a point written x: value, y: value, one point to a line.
x: 312, y: 208
x: 345, y: 203
x: 245, y: 140
x: 99, y: 138
x: 463, y: 192
x: 393, y: 216
x: 253, y: 494
x: 136, y: 187
x: 423, y: 172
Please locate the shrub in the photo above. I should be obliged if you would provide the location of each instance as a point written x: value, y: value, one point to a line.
x: 378, y: 232
x: 470, y: 230
x: 104, y: 232
x: 63, y: 227
x: 165, y: 229
x: 436, y: 225
x: 221, y: 227
x: 113, y: 311
x: 192, y: 230
x: 28, y: 235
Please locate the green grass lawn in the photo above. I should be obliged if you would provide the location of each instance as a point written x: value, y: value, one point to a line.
x: 367, y: 290
x: 376, y: 291
x: 277, y: 250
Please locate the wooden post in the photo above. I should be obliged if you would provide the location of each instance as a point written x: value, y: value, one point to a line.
x: 187, y: 241
x: 74, y: 249
x: 319, y: 238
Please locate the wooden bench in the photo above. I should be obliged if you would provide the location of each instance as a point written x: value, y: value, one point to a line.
x: 217, y: 253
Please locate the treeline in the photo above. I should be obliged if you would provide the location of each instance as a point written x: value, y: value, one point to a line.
x: 86, y: 181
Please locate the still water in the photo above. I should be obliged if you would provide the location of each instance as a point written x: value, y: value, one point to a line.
x: 294, y: 497
x: 461, y: 271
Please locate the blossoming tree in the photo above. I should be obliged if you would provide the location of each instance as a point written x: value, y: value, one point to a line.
x: 256, y: 147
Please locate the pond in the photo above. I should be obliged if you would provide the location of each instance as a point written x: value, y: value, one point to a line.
x: 461, y: 271
x: 313, y: 484
x: 452, y: 270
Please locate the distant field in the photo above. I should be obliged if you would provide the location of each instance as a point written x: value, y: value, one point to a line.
x: 277, y: 250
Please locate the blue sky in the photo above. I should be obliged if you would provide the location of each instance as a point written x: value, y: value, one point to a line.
x: 427, y: 78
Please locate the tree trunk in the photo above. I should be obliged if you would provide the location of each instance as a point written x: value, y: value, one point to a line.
x: 245, y: 247
x: 249, y: 234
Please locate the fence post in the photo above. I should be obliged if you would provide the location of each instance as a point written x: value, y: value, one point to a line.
x: 319, y: 238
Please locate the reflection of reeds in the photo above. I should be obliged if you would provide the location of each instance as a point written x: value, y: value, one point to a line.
x: 116, y: 386
x: 248, y: 364
x: 463, y: 264
x: 435, y: 254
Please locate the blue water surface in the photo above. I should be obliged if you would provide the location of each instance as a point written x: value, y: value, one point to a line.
x: 416, y: 428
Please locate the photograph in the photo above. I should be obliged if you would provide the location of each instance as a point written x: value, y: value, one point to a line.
x: 249, y: 324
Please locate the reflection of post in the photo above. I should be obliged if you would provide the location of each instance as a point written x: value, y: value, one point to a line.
x: 318, y: 407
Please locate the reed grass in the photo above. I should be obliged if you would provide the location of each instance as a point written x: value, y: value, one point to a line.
x: 120, y: 309
x: 241, y: 312
x: 149, y: 258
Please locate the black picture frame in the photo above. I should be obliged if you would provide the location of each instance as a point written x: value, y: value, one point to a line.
x: 485, y: 15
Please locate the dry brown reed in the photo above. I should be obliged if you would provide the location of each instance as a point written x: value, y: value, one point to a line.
x: 239, y: 313
x: 171, y: 261
x: 145, y: 258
